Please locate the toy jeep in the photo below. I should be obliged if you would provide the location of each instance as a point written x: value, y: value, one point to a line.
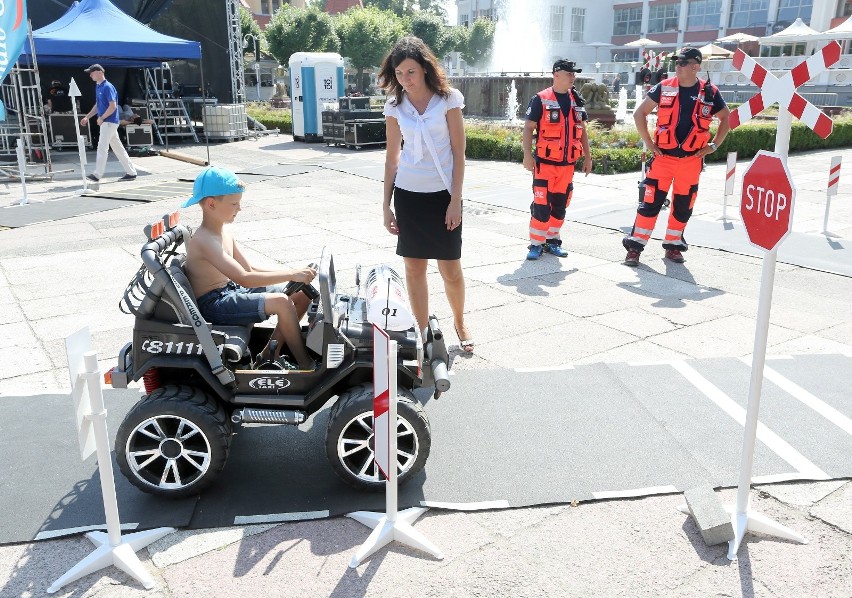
x: 201, y: 381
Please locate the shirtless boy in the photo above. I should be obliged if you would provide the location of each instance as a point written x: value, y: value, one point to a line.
x: 229, y: 289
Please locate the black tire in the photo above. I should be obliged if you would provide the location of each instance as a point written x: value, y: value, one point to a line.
x: 351, y: 425
x: 174, y: 442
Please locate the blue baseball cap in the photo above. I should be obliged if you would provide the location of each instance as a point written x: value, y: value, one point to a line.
x: 214, y: 181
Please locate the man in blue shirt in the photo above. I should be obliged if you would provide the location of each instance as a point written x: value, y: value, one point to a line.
x: 106, y: 107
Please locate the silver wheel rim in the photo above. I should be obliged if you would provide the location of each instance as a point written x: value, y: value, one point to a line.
x: 168, y: 452
x: 355, y: 448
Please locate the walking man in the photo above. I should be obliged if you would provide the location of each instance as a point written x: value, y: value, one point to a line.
x: 685, y: 107
x: 557, y: 114
x: 106, y: 107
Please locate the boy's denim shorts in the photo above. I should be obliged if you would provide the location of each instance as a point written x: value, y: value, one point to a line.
x: 235, y: 305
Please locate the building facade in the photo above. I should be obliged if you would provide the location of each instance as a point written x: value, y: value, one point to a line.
x: 580, y: 30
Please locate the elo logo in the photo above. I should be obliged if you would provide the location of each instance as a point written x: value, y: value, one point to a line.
x: 269, y: 383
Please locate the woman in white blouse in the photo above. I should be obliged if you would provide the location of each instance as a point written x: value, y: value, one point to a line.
x: 425, y: 175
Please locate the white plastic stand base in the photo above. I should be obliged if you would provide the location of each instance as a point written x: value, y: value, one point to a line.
x: 386, y: 531
x: 122, y: 556
x: 752, y: 521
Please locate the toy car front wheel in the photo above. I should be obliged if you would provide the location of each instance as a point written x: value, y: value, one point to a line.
x: 349, y: 441
x: 174, y: 442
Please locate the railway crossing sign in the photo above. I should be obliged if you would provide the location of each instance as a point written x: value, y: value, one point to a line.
x: 783, y: 90
x: 767, y: 200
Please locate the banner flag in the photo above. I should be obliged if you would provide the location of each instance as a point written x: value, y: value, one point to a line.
x: 13, y: 34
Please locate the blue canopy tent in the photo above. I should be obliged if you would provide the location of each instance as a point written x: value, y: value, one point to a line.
x: 97, y: 31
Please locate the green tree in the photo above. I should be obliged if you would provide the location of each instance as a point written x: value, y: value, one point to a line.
x: 456, y: 39
x: 431, y: 29
x: 480, y: 41
x: 399, y: 7
x: 248, y: 26
x: 294, y: 30
x: 367, y: 35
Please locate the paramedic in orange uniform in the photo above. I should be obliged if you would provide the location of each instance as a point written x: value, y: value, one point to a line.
x: 557, y: 114
x: 685, y: 107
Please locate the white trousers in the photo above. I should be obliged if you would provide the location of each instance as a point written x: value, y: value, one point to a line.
x: 109, y: 139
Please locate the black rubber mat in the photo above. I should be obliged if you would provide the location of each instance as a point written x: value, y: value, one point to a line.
x: 500, y: 438
x: 278, y: 170
x: 45, y: 488
x: 154, y: 192
x: 57, y: 209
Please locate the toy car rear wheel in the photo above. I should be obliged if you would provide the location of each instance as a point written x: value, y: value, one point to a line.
x: 349, y: 441
x: 174, y: 442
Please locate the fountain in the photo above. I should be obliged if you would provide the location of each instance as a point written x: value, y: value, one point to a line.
x: 621, y: 109
x: 519, y: 38
x: 512, y: 104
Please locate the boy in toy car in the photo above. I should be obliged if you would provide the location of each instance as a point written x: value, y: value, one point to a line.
x: 230, y: 291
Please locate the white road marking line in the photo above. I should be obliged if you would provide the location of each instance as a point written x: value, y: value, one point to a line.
x: 651, y: 490
x: 57, y: 533
x: 280, y: 517
x: 809, y: 399
x: 775, y: 443
x: 466, y: 506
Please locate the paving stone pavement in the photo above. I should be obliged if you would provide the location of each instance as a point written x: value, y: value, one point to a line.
x: 58, y: 276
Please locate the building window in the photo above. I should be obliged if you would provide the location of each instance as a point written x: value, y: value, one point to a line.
x: 557, y: 16
x: 703, y: 14
x: 628, y: 21
x: 790, y: 10
x: 463, y: 20
x: 845, y: 9
x: 578, y: 23
x: 748, y: 13
x: 273, y: 6
x: 663, y: 18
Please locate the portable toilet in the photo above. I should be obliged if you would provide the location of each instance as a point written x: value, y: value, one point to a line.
x: 316, y: 78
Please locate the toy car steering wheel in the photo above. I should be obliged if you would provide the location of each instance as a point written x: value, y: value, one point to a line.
x: 308, y: 289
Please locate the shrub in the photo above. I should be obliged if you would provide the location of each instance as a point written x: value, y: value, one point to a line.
x: 272, y: 118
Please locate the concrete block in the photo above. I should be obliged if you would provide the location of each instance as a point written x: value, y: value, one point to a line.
x: 709, y: 515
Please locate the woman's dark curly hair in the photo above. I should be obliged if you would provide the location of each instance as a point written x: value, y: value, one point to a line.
x: 414, y: 48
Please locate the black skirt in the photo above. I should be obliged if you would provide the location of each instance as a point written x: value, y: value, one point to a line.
x: 423, y: 233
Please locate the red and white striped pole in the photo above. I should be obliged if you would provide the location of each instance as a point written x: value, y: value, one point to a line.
x: 833, y: 183
x: 730, y: 175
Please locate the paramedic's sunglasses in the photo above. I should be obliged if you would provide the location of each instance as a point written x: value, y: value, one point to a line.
x: 684, y: 62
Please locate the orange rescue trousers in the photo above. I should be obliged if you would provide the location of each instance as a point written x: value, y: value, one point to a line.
x: 664, y: 171
x: 552, y: 189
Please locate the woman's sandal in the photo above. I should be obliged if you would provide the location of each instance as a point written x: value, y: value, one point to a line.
x: 465, y: 344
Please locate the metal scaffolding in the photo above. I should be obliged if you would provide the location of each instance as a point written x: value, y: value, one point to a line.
x: 235, y: 51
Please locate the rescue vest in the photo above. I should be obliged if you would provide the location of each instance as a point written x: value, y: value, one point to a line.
x: 668, y: 113
x: 559, y: 142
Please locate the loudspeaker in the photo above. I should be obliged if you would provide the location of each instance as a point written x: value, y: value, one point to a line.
x: 139, y: 135
x: 63, y: 133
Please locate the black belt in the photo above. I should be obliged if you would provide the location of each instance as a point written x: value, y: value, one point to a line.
x: 678, y: 152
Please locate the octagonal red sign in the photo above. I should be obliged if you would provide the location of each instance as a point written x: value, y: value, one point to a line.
x: 767, y: 200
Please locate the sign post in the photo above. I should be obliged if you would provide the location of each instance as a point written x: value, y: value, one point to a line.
x: 767, y: 209
x: 833, y: 180
x: 111, y: 547
x: 730, y: 173
x: 391, y: 525
x: 74, y: 93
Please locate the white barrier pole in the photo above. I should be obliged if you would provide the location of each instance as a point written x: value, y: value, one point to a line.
x: 111, y: 548
x: 391, y: 525
x: 833, y: 180
x: 743, y: 518
x: 22, y: 169
x: 730, y: 173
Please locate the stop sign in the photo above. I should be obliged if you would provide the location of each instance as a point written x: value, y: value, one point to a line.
x: 767, y: 200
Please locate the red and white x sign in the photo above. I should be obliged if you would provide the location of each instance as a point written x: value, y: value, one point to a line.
x: 783, y: 90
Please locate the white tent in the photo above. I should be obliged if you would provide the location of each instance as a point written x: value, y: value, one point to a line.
x: 714, y: 51
x: 797, y: 32
x: 738, y: 38
x: 841, y: 32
